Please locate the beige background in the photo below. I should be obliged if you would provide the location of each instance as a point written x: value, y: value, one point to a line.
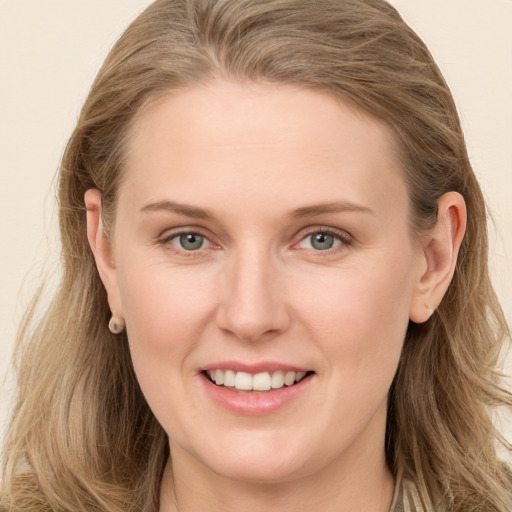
x: 50, y: 51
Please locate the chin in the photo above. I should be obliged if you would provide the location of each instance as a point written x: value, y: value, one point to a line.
x: 261, y: 472
x: 264, y: 459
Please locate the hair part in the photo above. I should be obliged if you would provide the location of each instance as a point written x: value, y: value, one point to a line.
x: 82, y: 436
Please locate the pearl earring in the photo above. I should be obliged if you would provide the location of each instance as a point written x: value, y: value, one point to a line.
x: 116, y: 325
x: 430, y: 310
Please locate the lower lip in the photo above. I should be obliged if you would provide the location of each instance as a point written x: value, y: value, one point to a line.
x: 255, y: 404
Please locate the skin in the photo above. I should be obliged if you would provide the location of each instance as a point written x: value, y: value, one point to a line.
x: 256, y: 158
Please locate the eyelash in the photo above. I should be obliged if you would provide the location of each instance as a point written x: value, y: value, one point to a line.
x: 166, y: 241
x: 342, y: 236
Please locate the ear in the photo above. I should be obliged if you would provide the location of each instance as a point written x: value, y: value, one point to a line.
x: 102, y: 250
x: 440, y: 249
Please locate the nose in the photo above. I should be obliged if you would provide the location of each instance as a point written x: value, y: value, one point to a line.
x: 252, y: 306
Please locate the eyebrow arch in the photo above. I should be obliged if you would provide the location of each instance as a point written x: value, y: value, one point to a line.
x: 181, y: 209
x: 305, y: 211
x: 335, y: 207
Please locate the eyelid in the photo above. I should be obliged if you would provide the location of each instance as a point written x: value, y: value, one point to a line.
x: 168, y: 235
x: 165, y: 237
x: 345, y: 238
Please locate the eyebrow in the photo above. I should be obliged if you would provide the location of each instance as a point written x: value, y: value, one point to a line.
x: 303, y: 212
x: 335, y: 207
x: 182, y: 209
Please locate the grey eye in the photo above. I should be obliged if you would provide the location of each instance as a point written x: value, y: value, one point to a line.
x: 322, y: 241
x: 191, y: 241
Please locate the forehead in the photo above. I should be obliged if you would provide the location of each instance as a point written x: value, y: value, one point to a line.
x: 249, y: 137
x: 257, y: 112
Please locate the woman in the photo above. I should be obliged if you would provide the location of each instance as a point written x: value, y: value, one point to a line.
x: 275, y: 293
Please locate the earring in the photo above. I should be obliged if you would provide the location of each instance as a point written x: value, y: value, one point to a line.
x: 430, y: 310
x: 116, y: 325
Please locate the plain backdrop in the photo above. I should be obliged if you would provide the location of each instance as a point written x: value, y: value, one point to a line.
x: 51, y: 50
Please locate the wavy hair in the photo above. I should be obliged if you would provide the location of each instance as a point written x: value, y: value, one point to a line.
x: 82, y: 437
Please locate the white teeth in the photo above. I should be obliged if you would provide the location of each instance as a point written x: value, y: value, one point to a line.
x: 219, y: 377
x: 299, y: 376
x: 277, y: 379
x: 289, y: 378
x: 263, y: 381
x: 243, y: 381
x: 229, y: 378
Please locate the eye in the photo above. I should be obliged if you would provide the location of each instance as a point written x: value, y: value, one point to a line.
x: 186, y: 243
x: 189, y: 241
x: 323, y: 240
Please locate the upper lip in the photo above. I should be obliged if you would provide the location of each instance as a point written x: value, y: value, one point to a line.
x: 254, y: 368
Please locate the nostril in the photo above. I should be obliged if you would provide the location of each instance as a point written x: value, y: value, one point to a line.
x: 251, y: 312
x: 251, y: 333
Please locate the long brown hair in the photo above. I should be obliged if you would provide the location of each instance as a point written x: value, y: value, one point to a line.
x: 82, y: 436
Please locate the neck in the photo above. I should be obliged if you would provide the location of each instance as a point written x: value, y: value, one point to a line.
x: 361, y: 484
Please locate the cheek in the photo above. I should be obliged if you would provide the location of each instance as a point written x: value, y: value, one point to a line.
x: 165, y: 309
x: 360, y: 315
x: 165, y: 313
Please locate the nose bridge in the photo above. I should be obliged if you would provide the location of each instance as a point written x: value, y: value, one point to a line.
x: 252, y: 304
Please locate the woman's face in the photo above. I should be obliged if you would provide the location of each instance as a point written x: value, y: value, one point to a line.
x: 262, y: 238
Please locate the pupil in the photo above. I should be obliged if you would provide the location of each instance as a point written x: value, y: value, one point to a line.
x: 191, y: 242
x: 322, y: 241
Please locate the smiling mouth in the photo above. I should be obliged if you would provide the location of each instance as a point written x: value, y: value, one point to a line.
x: 246, y: 382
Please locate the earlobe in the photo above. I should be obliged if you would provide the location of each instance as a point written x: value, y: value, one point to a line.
x: 440, y: 252
x: 102, y: 250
